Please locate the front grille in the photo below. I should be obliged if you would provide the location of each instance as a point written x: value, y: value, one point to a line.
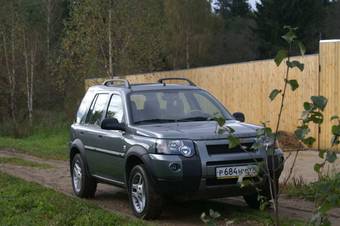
x: 217, y: 149
x: 231, y: 181
x: 233, y: 162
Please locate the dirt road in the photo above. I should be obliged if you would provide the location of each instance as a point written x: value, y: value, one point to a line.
x: 115, y: 199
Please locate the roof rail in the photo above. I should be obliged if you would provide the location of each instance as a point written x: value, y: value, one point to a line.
x: 117, y: 82
x: 176, y: 78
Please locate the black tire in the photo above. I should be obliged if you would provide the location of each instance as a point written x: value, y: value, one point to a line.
x: 87, y: 185
x: 153, y: 201
x: 262, y: 197
x: 253, y: 200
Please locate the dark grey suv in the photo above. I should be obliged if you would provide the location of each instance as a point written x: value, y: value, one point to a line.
x: 160, y: 140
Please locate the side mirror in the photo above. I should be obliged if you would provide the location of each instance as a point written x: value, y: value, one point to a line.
x: 112, y: 124
x: 239, y: 116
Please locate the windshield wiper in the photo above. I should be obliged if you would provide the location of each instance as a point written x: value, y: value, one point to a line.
x: 198, y: 118
x: 155, y: 121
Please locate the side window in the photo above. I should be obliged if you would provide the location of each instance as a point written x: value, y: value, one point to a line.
x: 85, y: 104
x: 97, y: 109
x: 115, y: 108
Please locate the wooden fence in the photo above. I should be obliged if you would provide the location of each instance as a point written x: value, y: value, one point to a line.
x: 246, y: 86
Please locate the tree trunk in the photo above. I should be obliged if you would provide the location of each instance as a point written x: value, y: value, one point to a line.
x: 27, y: 76
x: 29, y: 71
x: 187, y: 50
x: 49, y: 8
x: 110, y: 43
x: 30, y: 107
x: 12, y: 80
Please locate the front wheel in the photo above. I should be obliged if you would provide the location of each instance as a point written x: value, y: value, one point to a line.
x: 83, y: 184
x: 144, y: 201
x: 262, y: 198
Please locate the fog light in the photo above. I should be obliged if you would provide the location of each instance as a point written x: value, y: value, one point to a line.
x: 175, y: 167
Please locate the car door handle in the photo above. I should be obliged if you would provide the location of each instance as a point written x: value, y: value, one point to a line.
x: 81, y: 132
x: 100, y: 136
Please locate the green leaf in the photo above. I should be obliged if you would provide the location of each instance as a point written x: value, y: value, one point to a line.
x: 204, y: 218
x: 335, y: 140
x: 317, y: 167
x: 214, y: 214
x: 319, y: 101
x: 322, y: 153
x: 274, y: 93
x: 289, y: 36
x: 233, y: 141
x: 307, y: 106
x: 280, y: 56
x: 334, y: 117
x: 230, y: 129
x: 309, y: 141
x: 302, y: 48
x: 293, y: 84
x: 316, y: 117
x: 297, y: 64
x: 220, y: 120
x: 336, y: 130
x: 331, y: 156
x: 288, y: 27
x: 301, y: 132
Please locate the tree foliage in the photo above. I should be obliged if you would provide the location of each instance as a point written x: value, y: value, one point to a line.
x: 272, y: 15
x: 47, y: 47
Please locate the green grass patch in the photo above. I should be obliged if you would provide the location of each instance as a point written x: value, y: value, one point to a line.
x: 327, y: 189
x: 46, y: 144
x: 23, y: 162
x: 26, y: 203
x: 240, y: 214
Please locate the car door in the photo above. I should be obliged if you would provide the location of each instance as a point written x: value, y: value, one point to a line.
x: 111, y: 143
x: 91, y: 132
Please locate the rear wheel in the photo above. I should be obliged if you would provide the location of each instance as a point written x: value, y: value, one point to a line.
x: 83, y: 184
x: 144, y: 201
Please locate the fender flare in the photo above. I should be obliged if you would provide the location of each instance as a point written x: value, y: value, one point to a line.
x: 78, y: 145
x: 142, y: 154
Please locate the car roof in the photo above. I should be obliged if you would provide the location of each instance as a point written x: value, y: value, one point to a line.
x: 144, y: 87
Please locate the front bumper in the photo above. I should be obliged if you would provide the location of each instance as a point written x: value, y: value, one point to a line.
x: 196, y: 176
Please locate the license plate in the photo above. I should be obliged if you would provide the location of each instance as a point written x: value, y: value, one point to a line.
x: 236, y: 171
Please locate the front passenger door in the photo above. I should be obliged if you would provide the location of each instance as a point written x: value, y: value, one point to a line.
x: 112, y: 143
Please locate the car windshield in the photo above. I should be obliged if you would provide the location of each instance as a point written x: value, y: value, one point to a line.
x: 164, y: 106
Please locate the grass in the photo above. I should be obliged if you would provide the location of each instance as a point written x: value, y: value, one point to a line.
x: 326, y: 189
x: 23, y: 162
x: 46, y: 144
x: 26, y: 203
x: 249, y: 216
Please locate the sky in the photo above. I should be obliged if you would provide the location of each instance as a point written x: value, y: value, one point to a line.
x: 253, y: 3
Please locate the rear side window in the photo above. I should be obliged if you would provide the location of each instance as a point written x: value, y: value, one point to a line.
x: 97, y: 109
x: 85, y: 104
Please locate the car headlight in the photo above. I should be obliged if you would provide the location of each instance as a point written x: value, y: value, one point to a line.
x: 267, y: 141
x: 175, y: 147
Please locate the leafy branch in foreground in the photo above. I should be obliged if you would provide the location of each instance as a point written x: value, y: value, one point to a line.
x: 326, y: 194
x: 266, y: 137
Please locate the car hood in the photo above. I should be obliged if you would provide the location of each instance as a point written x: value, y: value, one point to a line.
x: 196, y: 130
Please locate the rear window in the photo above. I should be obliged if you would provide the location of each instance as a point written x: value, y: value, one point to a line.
x: 84, y: 106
